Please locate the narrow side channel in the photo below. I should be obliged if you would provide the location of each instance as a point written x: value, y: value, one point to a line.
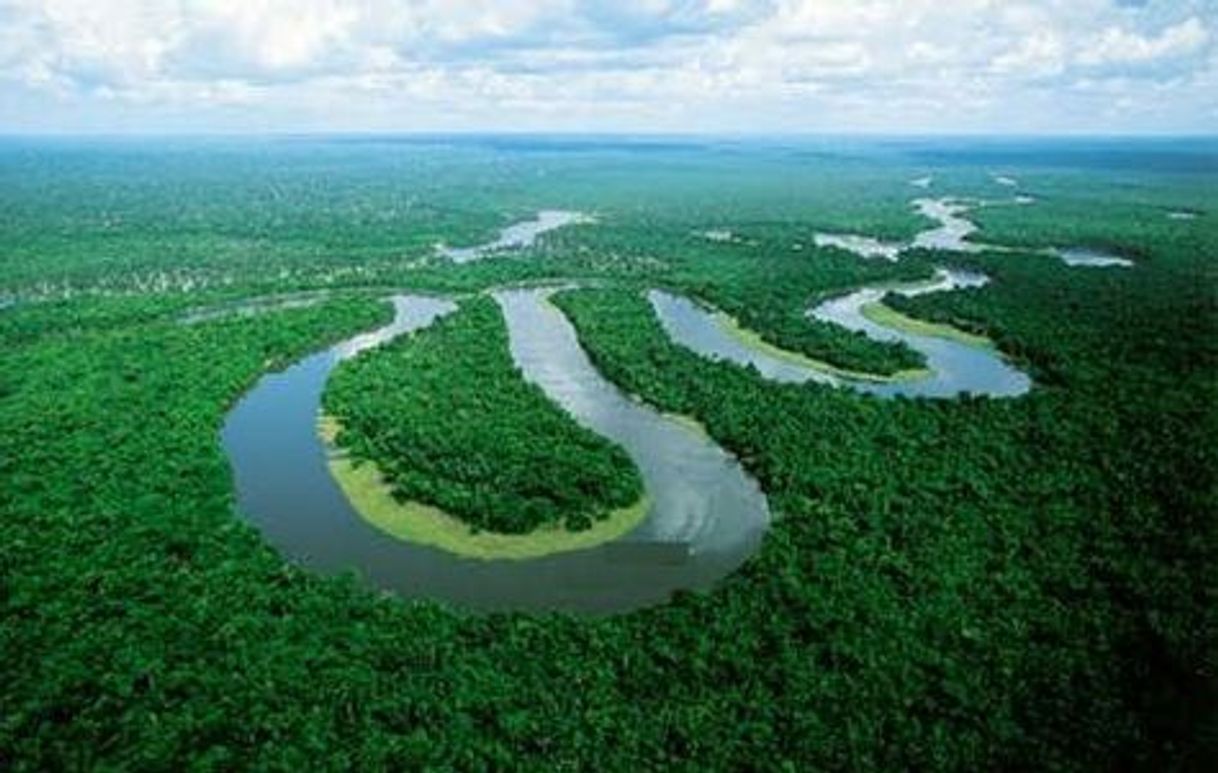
x: 955, y: 363
x: 953, y: 231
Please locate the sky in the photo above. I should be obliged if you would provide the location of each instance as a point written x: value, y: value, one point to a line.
x: 631, y: 66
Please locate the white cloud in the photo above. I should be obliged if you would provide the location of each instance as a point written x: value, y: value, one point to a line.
x: 1041, y: 53
x: 261, y: 35
x: 81, y: 40
x: 1116, y: 46
x: 630, y: 64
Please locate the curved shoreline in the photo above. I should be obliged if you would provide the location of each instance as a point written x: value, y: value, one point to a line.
x: 726, y: 510
x: 754, y: 340
x: 957, y: 361
x: 701, y: 517
x: 370, y: 496
x: 516, y: 236
x: 882, y: 314
x: 700, y: 509
x: 953, y: 232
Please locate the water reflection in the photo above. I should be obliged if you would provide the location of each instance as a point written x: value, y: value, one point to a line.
x: 701, y: 496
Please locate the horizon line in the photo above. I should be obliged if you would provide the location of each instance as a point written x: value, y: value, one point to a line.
x: 591, y: 134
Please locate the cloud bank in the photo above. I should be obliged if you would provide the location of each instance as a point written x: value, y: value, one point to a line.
x: 621, y: 65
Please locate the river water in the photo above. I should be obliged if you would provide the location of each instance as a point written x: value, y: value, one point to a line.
x: 952, y: 231
x: 954, y: 366
x: 706, y: 516
x: 863, y: 246
x: 516, y: 236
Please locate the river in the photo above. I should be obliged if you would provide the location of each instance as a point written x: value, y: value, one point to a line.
x: 706, y: 514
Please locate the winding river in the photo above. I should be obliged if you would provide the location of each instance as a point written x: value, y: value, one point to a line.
x: 956, y: 362
x: 952, y: 232
x: 953, y: 365
x: 706, y: 514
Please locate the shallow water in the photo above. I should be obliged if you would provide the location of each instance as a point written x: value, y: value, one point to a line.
x: 952, y: 230
x: 707, y: 515
x: 516, y: 236
x: 1086, y: 256
x: 863, y: 246
x: 951, y: 235
x: 955, y: 366
x: 252, y: 308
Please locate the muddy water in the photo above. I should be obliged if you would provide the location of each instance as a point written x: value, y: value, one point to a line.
x: 707, y: 515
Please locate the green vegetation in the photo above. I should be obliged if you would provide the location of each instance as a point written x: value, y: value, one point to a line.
x: 881, y: 313
x: 950, y: 585
x: 755, y: 341
x: 944, y: 576
x: 779, y: 317
x: 373, y: 498
x: 769, y: 287
x: 449, y: 421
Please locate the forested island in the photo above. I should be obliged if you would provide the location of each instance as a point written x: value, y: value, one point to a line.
x: 448, y: 421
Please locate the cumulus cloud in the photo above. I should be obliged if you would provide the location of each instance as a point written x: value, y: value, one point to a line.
x: 258, y: 37
x: 1120, y: 46
x: 766, y: 65
x: 1041, y: 53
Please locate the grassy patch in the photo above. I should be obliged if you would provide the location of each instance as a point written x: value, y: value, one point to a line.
x: 881, y: 314
x: 689, y: 423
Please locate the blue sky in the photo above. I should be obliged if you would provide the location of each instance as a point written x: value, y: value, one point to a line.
x: 735, y: 66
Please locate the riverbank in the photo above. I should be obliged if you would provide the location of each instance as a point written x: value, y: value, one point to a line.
x: 370, y: 496
x: 753, y: 340
x: 884, y: 315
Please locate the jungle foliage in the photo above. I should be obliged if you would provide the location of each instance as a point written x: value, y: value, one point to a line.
x: 1052, y: 503
x: 949, y: 585
x: 451, y: 422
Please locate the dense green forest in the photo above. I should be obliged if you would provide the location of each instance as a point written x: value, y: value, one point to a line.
x: 450, y: 422
x: 1051, y: 503
x: 947, y: 585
